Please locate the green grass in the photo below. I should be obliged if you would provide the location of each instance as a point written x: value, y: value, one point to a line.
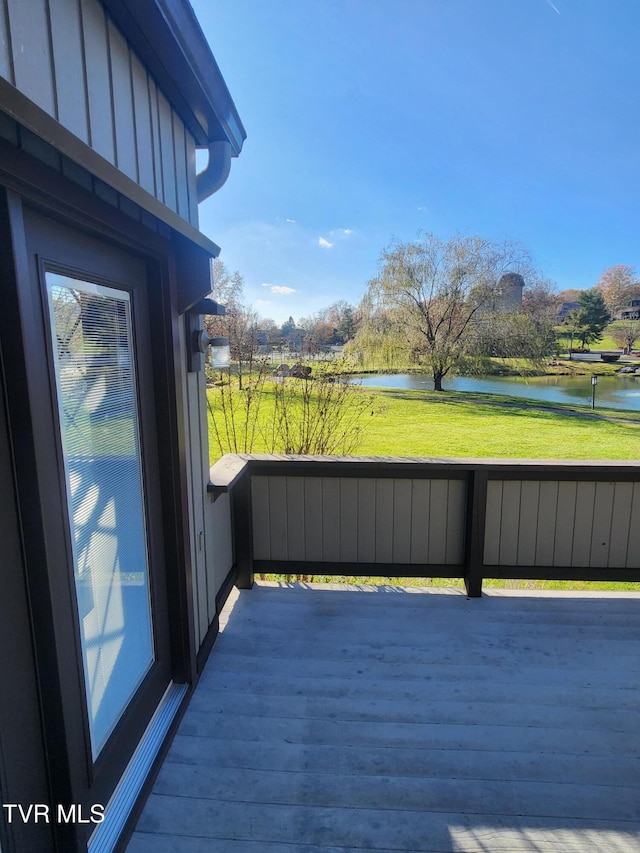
x: 418, y: 423
x: 457, y: 583
x: 424, y: 423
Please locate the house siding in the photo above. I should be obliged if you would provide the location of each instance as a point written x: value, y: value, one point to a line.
x: 72, y: 61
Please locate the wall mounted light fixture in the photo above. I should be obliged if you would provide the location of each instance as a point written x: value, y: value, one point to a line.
x: 199, y: 341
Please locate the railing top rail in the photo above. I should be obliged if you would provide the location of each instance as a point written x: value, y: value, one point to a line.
x: 230, y: 468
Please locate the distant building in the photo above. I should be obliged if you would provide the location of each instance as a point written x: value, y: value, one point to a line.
x: 509, y: 293
x: 565, y: 309
x: 507, y: 297
x: 631, y: 312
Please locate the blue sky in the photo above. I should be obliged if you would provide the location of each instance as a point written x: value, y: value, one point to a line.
x: 369, y: 120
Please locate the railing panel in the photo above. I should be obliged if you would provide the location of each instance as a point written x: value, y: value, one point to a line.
x: 633, y: 551
x: 621, y: 524
x: 349, y: 519
x: 450, y: 518
x: 566, y: 524
x: 420, y: 499
x: 261, y: 521
x: 602, y: 518
x: 438, y: 503
x: 492, y: 534
x: 366, y: 512
x: 330, y: 515
x: 510, y: 522
x: 401, y: 549
x: 528, y: 523
x: 583, y: 524
x: 278, y: 521
x: 546, y: 527
x: 353, y: 520
x: 563, y: 524
x: 313, y: 518
x: 456, y: 520
x: 383, y: 530
x: 295, y: 516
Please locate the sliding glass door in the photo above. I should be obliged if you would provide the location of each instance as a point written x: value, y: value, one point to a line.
x: 96, y: 383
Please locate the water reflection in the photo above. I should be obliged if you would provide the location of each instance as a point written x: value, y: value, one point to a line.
x: 620, y: 392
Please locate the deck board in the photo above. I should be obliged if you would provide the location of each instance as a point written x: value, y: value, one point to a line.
x: 333, y: 720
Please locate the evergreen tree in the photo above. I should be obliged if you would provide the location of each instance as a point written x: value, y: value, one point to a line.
x: 593, y: 315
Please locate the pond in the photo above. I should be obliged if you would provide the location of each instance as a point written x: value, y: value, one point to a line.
x: 620, y: 392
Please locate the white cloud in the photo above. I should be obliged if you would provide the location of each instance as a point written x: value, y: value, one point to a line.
x: 289, y: 220
x: 279, y: 288
x: 262, y: 302
x: 324, y: 243
x: 421, y: 208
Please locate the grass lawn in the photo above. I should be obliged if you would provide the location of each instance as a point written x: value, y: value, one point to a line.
x: 419, y: 423
x: 415, y: 423
x: 423, y: 423
x: 457, y: 583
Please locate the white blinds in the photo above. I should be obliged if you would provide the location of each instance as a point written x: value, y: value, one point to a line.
x: 98, y: 411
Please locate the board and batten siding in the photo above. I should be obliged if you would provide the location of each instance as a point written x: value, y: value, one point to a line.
x: 352, y: 519
x: 114, y: 105
x: 563, y: 523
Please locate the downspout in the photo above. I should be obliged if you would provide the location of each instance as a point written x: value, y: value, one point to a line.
x: 216, y: 171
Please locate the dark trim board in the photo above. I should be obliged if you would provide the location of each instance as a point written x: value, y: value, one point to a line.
x: 561, y: 573
x: 214, y: 628
x: 380, y: 570
x: 23, y: 770
x: 35, y: 460
x: 26, y: 113
x: 371, y: 469
x: 454, y: 469
x: 475, y: 525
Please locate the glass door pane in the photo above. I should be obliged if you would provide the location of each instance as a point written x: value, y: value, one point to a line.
x: 99, y: 422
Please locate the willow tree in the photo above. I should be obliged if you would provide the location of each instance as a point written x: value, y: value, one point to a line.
x: 433, y: 293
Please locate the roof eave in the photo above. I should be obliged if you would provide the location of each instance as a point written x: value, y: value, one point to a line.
x: 169, y: 40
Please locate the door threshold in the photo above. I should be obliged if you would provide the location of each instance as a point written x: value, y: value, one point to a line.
x: 105, y: 836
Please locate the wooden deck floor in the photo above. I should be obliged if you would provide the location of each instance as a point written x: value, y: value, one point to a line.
x: 400, y: 720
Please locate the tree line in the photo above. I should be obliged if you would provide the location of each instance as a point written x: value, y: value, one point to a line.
x: 443, y: 305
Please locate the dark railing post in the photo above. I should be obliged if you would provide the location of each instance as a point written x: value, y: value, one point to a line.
x: 243, y: 530
x: 474, y: 539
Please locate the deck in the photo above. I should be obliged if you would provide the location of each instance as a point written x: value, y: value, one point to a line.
x: 337, y: 719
